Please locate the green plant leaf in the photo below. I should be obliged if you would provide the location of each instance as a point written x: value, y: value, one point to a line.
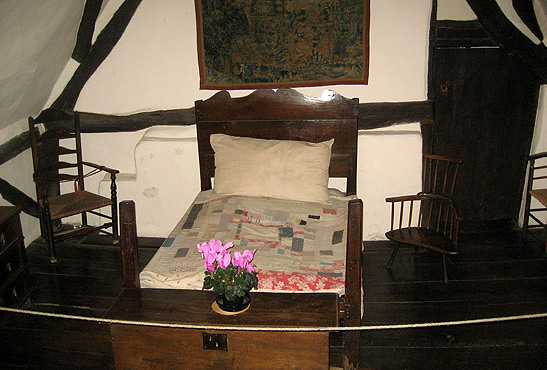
x: 220, y: 288
x: 208, y: 283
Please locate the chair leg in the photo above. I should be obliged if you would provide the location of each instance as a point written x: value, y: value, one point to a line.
x: 444, y: 267
x: 393, y: 254
x: 114, y: 199
x: 49, y: 231
x: 84, y: 219
x: 115, y: 232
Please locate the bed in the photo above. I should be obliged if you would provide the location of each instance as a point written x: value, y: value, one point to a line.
x: 234, y: 125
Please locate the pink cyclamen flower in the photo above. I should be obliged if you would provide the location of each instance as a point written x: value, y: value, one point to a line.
x: 215, y: 245
x: 215, y: 254
x: 223, y: 258
x: 203, y: 249
x: 250, y: 267
x: 242, y: 261
x: 209, y: 262
x: 248, y: 255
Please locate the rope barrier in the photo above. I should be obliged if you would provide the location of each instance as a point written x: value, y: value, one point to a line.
x: 280, y: 328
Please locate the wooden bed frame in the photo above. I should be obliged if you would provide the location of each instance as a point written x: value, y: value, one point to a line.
x: 284, y: 114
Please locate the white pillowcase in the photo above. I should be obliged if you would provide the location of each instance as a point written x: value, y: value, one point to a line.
x: 295, y: 170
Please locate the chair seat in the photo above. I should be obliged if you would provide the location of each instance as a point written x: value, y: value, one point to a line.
x: 540, y: 194
x: 71, y: 204
x: 425, y: 238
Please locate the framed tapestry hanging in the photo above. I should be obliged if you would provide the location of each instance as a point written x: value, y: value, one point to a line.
x: 249, y: 44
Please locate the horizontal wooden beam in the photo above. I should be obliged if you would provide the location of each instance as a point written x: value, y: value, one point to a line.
x: 371, y: 115
x: 376, y: 115
x: 93, y: 122
x: 460, y: 34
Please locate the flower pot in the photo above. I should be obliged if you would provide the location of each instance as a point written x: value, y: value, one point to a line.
x: 238, y: 304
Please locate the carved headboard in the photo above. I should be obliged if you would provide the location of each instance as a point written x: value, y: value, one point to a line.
x: 284, y: 114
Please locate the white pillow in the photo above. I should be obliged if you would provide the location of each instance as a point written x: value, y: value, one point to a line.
x: 295, y: 170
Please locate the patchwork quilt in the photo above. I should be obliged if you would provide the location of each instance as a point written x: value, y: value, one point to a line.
x: 301, y: 246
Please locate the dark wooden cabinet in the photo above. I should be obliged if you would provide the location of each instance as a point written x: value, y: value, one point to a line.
x: 15, y: 279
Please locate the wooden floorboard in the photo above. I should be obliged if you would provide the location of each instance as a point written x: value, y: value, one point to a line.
x: 498, y: 273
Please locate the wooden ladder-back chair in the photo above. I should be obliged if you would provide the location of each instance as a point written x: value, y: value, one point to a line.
x: 55, y: 164
x: 536, y: 189
x: 432, y: 224
x: 439, y: 174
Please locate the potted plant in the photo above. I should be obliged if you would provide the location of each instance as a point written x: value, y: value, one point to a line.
x: 231, y: 277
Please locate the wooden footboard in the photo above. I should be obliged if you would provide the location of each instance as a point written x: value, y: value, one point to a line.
x: 352, y: 300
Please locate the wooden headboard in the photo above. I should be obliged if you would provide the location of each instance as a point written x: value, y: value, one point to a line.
x: 284, y: 114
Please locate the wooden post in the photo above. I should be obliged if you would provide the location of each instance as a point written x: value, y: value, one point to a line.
x: 353, y: 297
x: 129, y: 244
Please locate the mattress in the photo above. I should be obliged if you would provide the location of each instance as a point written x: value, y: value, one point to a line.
x: 301, y: 246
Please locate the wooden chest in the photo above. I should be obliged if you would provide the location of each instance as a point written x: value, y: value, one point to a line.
x: 15, y: 280
x: 149, y: 347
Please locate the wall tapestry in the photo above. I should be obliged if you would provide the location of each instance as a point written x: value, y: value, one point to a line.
x: 248, y: 44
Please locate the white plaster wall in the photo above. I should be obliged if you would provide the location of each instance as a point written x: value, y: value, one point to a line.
x: 166, y: 179
x: 154, y: 66
x: 389, y: 164
x: 454, y: 10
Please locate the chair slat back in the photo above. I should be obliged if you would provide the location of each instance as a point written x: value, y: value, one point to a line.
x: 55, y: 163
x: 439, y: 174
x: 435, y: 212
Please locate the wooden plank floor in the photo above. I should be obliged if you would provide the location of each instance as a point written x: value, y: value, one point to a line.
x: 498, y: 273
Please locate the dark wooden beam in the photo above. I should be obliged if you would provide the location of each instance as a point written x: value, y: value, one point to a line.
x: 463, y: 34
x: 526, y: 12
x: 510, y: 38
x: 18, y: 198
x: 372, y: 115
x: 375, y: 115
x: 105, y: 42
x: 86, y: 30
x: 12, y: 148
x: 92, y: 122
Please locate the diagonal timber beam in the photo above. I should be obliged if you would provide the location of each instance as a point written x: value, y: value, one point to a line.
x: 510, y: 38
x: 105, y: 42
